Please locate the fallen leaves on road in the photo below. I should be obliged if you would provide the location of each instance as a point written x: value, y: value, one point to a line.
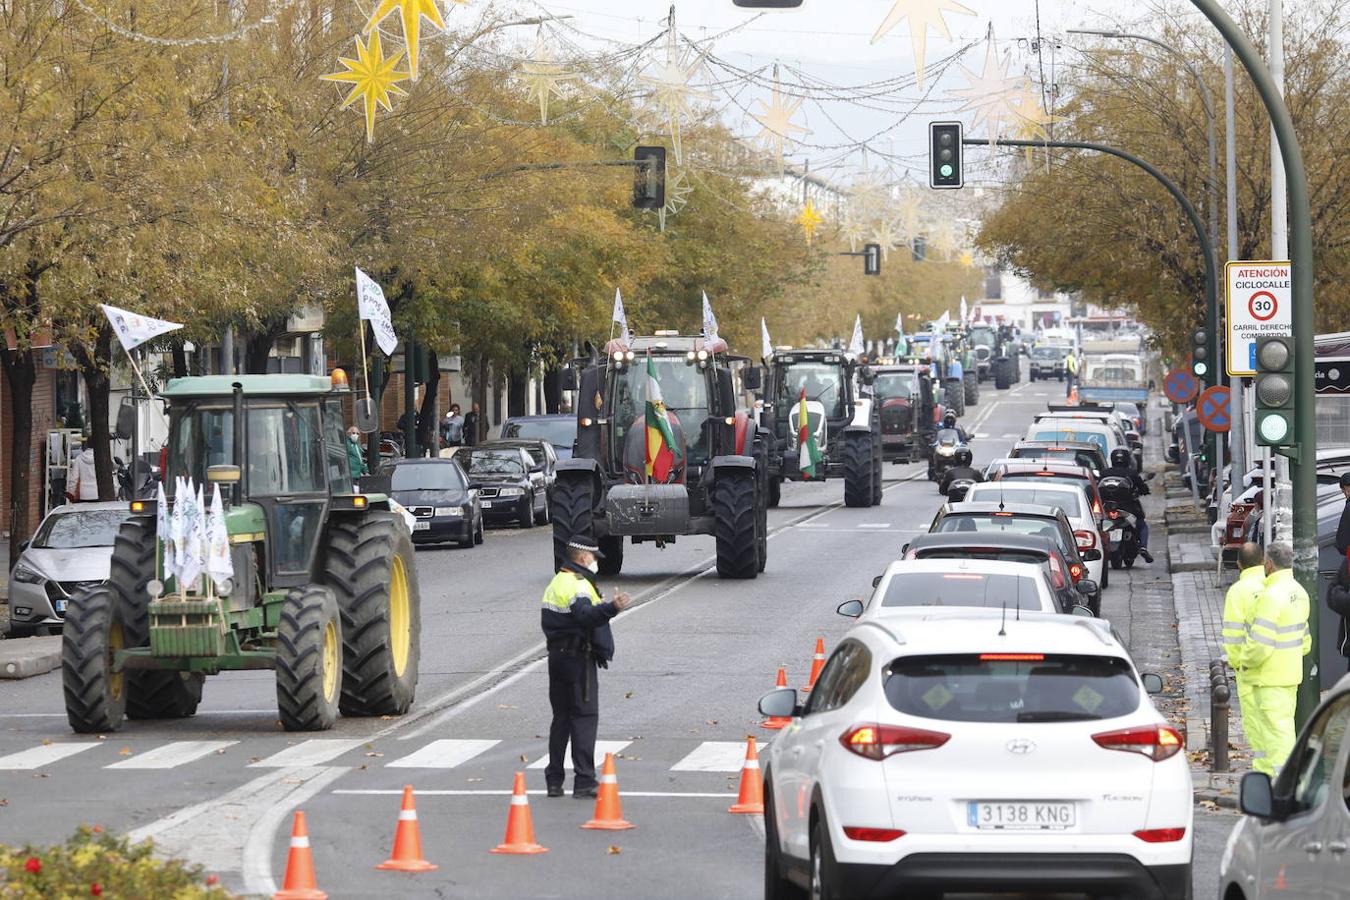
x: 614, y: 850
x: 524, y: 758
x: 4, y: 801
x: 710, y: 722
x: 47, y: 742
x: 628, y: 695
x: 125, y: 751
x: 375, y: 755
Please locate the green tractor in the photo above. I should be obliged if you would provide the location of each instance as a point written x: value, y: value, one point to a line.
x: 324, y: 589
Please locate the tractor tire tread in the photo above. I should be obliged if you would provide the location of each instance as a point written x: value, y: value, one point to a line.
x: 91, y: 707
x: 572, y: 515
x: 733, y: 503
x: 301, y: 703
x: 857, y: 471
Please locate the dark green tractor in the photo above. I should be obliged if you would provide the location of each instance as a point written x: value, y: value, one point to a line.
x: 324, y: 587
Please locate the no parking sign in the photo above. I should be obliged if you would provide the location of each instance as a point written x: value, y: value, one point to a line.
x: 1260, y: 301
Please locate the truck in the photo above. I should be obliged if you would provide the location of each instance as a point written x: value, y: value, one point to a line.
x: 1108, y: 375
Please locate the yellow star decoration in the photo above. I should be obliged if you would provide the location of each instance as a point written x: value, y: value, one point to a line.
x: 671, y: 88
x: 967, y: 259
x: 810, y: 220
x: 542, y: 77
x: 678, y: 190
x: 776, y: 120
x: 412, y: 13
x: 922, y: 15
x: 373, y: 79
x: 987, y: 93
x: 1029, y: 116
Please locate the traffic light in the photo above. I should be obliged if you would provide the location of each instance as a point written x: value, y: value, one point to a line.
x: 1275, y: 391
x: 944, y: 155
x: 649, y: 179
x: 1200, y: 360
x: 918, y: 249
x: 871, y: 259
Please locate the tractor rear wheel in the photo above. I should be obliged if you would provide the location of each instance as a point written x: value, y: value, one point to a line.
x: 956, y: 396
x: 572, y: 507
x: 612, y: 548
x: 151, y: 694
x: 877, y: 466
x: 374, y: 576
x: 735, y: 525
x: 972, y: 389
x: 95, y: 629
x: 309, y: 659
x: 775, y: 491
x: 1002, y: 374
x: 857, y: 470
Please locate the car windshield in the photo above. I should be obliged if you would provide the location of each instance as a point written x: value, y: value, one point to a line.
x: 961, y: 589
x: 1072, y: 502
x: 982, y: 336
x: 1071, y: 434
x: 561, y: 433
x: 1012, y: 687
x: 80, y: 529
x: 492, y: 462
x: 998, y: 523
x: 1045, y: 353
x: 999, y: 554
x: 895, y: 384
x: 426, y: 477
x: 1077, y: 457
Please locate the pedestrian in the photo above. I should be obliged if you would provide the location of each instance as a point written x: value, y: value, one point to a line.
x: 1070, y: 372
x: 453, y: 427
x: 1239, y: 611
x: 1272, y: 657
x: 1343, y: 528
x: 1338, y: 598
x: 576, y: 627
x: 84, y: 486
x: 471, y: 426
x: 356, y: 459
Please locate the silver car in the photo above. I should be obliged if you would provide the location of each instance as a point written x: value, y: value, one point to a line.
x: 71, y: 552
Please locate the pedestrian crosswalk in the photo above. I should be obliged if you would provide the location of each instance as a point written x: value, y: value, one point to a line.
x: 442, y: 753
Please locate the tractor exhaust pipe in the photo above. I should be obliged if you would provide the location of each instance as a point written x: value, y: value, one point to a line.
x: 236, y: 496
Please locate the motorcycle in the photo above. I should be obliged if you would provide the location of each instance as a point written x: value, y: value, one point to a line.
x: 957, y: 488
x: 949, y: 452
x: 1122, y: 527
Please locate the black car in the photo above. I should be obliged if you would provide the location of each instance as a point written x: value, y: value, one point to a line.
x: 437, y: 493
x: 510, y: 489
x: 543, y: 455
x: 1004, y: 547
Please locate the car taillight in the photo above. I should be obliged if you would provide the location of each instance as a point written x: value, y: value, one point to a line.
x: 1161, y: 835
x: 1113, y: 514
x: 855, y: 833
x: 1097, y: 508
x: 1157, y: 742
x: 1086, y: 539
x: 880, y: 741
x: 1012, y: 657
x: 1076, y: 570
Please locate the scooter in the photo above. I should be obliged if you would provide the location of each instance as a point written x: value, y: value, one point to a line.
x: 1122, y: 527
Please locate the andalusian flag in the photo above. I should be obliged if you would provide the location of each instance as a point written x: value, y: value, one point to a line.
x: 661, y: 449
x: 806, y: 440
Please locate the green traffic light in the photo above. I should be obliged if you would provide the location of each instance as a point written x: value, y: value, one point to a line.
x: 945, y: 171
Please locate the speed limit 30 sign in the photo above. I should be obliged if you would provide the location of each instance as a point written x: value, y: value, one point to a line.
x: 1260, y: 299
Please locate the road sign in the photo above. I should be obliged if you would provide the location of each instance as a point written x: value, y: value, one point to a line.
x: 1180, y: 386
x: 1214, y: 409
x: 1260, y: 302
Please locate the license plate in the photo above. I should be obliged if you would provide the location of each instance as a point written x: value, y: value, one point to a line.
x: 59, y: 605
x: 421, y: 526
x: 1019, y: 816
x: 487, y: 504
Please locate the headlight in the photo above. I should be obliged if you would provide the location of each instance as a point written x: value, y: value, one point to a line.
x: 511, y: 492
x: 26, y: 575
x: 946, y: 451
x: 456, y: 511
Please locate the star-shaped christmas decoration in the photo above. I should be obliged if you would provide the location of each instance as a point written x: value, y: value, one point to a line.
x: 987, y: 93
x: 908, y: 213
x: 411, y: 12
x: 543, y: 77
x: 1028, y: 116
x: 776, y: 120
x: 888, y: 236
x: 853, y: 230
x: 670, y: 83
x: 810, y: 219
x: 944, y: 241
x: 967, y: 259
x: 922, y: 15
x: 678, y: 190
x: 870, y: 194
x: 372, y: 77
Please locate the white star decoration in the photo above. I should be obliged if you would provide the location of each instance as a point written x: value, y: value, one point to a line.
x: 542, y: 77
x: 887, y: 235
x: 922, y: 15
x: 678, y: 190
x: 776, y: 120
x: 853, y: 230
x: 987, y: 93
x: 671, y: 88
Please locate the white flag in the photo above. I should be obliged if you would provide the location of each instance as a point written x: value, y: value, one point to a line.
x: 620, y: 318
x: 219, y: 565
x: 194, y: 544
x: 372, y: 305
x: 709, y: 320
x: 765, y: 343
x: 162, y: 515
x: 900, y: 324
x: 173, y: 554
x: 856, y: 346
x: 133, y: 329
x: 941, y: 323
x: 964, y: 313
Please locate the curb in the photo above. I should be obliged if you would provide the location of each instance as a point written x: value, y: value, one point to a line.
x: 26, y: 657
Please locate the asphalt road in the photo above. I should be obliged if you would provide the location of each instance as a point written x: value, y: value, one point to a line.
x: 694, y: 655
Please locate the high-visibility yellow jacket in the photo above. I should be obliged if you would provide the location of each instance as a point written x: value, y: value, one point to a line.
x: 1071, y: 363
x: 1239, y: 608
x: 1272, y: 655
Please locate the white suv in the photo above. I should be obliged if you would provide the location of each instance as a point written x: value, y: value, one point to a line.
x: 951, y: 752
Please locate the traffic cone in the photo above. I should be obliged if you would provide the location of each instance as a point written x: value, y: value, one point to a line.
x: 1073, y: 397
x: 773, y: 723
x: 817, y: 663
x: 519, y: 824
x: 751, y: 798
x: 299, y: 883
x: 407, y: 855
x: 608, y: 809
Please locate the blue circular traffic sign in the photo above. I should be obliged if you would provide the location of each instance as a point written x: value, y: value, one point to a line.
x: 1214, y: 409
x: 1180, y: 386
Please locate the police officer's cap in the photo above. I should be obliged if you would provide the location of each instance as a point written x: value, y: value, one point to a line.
x: 1345, y: 479
x: 585, y: 545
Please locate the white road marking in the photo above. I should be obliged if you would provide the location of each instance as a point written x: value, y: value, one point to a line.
x: 172, y: 755
x: 373, y: 792
x: 309, y: 753
x: 38, y: 757
x: 713, y: 756
x: 443, y: 754
x: 874, y: 525
x: 601, y: 748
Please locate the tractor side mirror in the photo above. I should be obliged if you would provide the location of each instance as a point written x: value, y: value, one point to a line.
x: 753, y: 378
x: 571, y: 378
x: 367, y: 421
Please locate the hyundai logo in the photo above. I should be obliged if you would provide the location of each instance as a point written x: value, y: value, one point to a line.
x: 1020, y: 746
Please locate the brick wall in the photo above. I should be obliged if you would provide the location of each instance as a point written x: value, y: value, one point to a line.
x: 44, y: 419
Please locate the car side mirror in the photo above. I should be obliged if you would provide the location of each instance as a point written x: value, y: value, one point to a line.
x: 867, y: 376
x: 1255, y: 795
x: 753, y: 378
x: 1083, y: 611
x: 1092, y: 555
x: 780, y: 703
x: 1087, y: 587
x: 1153, y: 683
x: 23, y: 545
x: 850, y: 608
x: 876, y: 580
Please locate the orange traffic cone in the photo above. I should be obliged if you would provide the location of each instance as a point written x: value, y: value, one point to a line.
x: 773, y: 723
x: 817, y: 663
x: 751, y: 799
x: 608, y: 810
x: 407, y: 855
x: 519, y: 824
x: 299, y: 883
x: 1073, y: 397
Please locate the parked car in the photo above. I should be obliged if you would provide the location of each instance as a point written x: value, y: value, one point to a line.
x: 965, y: 751
x: 908, y: 584
x: 1024, y: 548
x: 542, y: 454
x: 558, y: 430
x: 70, y: 552
x: 508, y: 489
x: 1293, y: 840
x: 437, y: 494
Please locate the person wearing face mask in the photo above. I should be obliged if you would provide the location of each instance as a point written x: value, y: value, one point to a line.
x: 575, y: 620
x: 356, y: 460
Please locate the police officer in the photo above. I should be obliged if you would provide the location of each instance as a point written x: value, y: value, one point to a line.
x: 1122, y: 466
x: 1239, y: 611
x: 1343, y: 527
x: 576, y: 628
x: 1272, y: 656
